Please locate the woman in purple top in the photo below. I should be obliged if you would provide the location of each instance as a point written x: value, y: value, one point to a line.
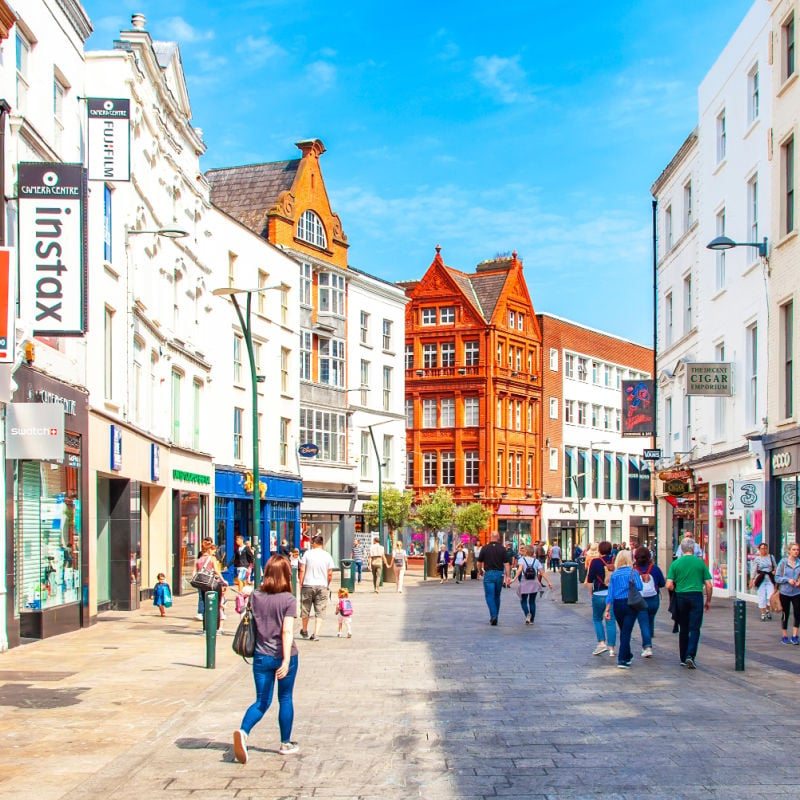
x: 618, y: 600
x: 274, y: 611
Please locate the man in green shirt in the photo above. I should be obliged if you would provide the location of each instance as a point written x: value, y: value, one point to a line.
x: 689, y: 578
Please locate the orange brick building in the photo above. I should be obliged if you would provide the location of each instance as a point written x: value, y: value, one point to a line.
x: 473, y: 391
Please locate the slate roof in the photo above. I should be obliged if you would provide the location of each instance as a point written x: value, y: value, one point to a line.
x: 164, y: 52
x: 247, y: 193
x: 483, y: 290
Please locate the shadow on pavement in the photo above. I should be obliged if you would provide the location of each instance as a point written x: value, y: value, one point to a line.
x: 23, y: 695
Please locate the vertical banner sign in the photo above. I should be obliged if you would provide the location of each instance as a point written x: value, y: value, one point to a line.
x: 52, y: 226
x: 109, y: 139
x: 115, y: 459
x: 638, y: 412
x: 8, y: 306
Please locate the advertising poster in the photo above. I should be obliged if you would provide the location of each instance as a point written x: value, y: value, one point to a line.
x: 638, y: 409
x: 109, y: 139
x: 8, y: 306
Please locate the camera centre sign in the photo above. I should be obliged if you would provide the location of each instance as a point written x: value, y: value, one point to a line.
x: 712, y: 379
x: 52, y: 231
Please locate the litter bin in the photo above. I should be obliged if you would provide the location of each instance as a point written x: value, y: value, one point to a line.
x: 569, y: 582
x: 581, y: 569
x: 348, y: 580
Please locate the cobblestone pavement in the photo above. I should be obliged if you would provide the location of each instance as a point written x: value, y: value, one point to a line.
x: 425, y: 701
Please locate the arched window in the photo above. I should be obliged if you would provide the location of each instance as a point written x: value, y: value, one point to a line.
x: 310, y: 229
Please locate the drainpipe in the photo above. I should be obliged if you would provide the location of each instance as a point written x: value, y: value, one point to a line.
x: 5, y: 108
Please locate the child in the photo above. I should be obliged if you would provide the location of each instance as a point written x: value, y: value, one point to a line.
x: 243, y: 597
x: 162, y: 594
x: 344, y: 609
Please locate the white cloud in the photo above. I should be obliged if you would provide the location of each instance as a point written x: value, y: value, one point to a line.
x: 322, y: 75
x: 503, y: 77
x: 446, y: 48
x: 179, y: 30
x: 258, y: 50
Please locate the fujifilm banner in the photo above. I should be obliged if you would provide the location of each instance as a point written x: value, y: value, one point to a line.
x: 52, y: 228
x: 109, y: 139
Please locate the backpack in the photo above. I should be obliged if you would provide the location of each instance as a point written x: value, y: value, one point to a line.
x: 530, y: 571
x: 345, y: 607
x: 649, y: 588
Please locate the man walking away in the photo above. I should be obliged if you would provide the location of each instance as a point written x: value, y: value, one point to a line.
x: 316, y: 571
x: 555, y: 558
x: 495, y: 563
x: 358, y: 557
x: 689, y: 578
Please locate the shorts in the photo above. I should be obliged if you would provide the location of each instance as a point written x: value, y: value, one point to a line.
x: 243, y: 574
x: 316, y: 596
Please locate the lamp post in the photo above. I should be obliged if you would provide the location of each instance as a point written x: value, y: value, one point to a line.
x: 380, y: 475
x: 244, y: 321
x: 724, y: 243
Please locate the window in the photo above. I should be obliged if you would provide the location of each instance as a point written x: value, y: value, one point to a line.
x: 582, y: 409
x: 305, y: 284
x: 668, y: 331
x: 238, y: 441
x: 365, y: 452
x: 520, y: 321
x: 582, y: 369
x: 177, y: 386
x: 238, y: 343
x: 553, y: 359
x: 429, y: 356
x: 448, y: 352
x: 331, y: 293
x: 232, y: 257
x: 596, y: 414
x: 568, y: 484
x: 752, y: 208
x: 471, y: 412
x: 787, y: 186
x: 530, y: 416
x: 619, y: 474
x: 429, y: 413
x: 108, y: 353
x: 447, y: 315
x: 687, y: 304
x: 499, y: 354
x: 787, y: 42
x: 518, y: 470
x: 448, y: 468
x: 107, y: 250
x: 581, y: 475
x: 263, y: 277
x: 428, y: 316
x: 569, y: 411
x: 471, y: 353
x: 284, y: 304
x: 327, y: 430
x: 607, y: 476
x: 608, y: 414
x: 596, y: 373
x: 752, y: 94
x: 529, y: 476
x: 787, y: 357
x: 409, y: 413
x: 305, y: 355
x: 553, y: 408
x: 285, y: 369
x: 607, y: 370
x: 595, y: 474
x: 720, y: 403
x: 553, y: 459
x: 688, y: 211
x: 499, y: 413
x: 387, y: 388
x: 510, y: 357
x: 197, y: 399
x: 633, y: 478
x: 510, y: 472
x: 410, y: 468
x: 429, y: 469
x: 720, y: 254
x: 23, y: 57
x: 388, y: 446
x: 283, y: 442
x: 518, y: 359
x: 499, y: 467
x: 512, y: 319
x: 471, y: 468
x: 387, y: 334
x: 721, y: 138
x: 569, y: 365
x: 668, y: 229
x: 751, y: 375
x: 331, y: 362
x: 138, y: 348
x: 667, y: 442
x: 409, y: 356
x: 364, y: 334
x: 311, y: 230
x: 618, y: 371
x: 364, y: 376
x: 510, y: 417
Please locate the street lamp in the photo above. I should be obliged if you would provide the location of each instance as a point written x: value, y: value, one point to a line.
x: 167, y: 233
x: 380, y: 474
x: 724, y: 243
x: 244, y: 321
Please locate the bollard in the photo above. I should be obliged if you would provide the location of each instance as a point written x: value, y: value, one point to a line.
x: 294, y: 580
x: 739, y: 631
x: 210, y: 620
x: 424, y: 566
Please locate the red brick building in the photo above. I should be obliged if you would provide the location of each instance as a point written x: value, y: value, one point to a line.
x: 473, y: 390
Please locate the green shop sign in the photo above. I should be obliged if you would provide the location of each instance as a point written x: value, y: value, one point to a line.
x: 190, y: 477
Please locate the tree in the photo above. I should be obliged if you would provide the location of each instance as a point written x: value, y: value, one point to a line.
x: 472, y: 519
x: 396, y: 509
x: 436, y: 511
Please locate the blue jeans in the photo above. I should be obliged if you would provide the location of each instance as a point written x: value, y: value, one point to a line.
x: 359, y: 565
x: 626, y: 619
x: 689, y: 608
x: 492, y: 590
x: 605, y: 629
x: 264, y: 669
x: 528, y: 603
x: 647, y: 620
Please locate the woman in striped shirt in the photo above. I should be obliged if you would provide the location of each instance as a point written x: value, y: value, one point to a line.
x: 618, y: 600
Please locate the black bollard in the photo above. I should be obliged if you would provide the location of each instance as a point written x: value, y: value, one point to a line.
x: 210, y: 620
x: 739, y: 631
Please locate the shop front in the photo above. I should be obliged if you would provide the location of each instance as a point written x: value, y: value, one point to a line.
x: 46, y: 528
x: 518, y: 523
x: 192, y: 486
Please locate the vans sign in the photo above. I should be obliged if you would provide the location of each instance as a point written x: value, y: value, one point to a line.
x: 52, y: 230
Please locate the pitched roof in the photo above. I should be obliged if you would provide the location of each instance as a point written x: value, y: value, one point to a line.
x: 488, y: 288
x: 164, y: 52
x: 247, y: 193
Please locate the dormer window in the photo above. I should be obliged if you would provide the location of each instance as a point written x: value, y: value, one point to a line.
x: 311, y: 230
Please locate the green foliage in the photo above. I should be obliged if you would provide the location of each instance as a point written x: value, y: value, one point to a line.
x: 436, y: 511
x: 396, y: 509
x: 472, y: 519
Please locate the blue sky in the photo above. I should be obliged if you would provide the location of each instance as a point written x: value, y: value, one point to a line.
x: 529, y: 126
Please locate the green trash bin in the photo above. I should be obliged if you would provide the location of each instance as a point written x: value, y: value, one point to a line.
x: 569, y: 582
x: 348, y: 580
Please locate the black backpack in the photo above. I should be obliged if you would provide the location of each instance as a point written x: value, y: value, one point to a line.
x: 530, y: 571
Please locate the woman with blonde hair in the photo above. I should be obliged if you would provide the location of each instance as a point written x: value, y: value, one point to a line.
x: 208, y: 560
x: 399, y: 563
x: 617, y: 599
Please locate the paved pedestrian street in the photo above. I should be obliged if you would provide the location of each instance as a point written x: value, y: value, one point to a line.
x: 425, y: 701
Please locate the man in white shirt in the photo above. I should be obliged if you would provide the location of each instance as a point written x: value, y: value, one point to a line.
x: 315, y: 573
x: 377, y: 558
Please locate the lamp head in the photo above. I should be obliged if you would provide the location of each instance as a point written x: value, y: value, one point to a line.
x: 721, y: 243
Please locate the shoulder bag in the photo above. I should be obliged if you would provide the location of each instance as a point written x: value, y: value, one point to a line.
x: 635, y: 599
x: 244, y: 640
x: 205, y: 579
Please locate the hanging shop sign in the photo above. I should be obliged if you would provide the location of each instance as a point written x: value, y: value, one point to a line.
x: 747, y: 495
x: 8, y: 303
x: 115, y: 460
x: 155, y: 462
x: 109, y: 134
x: 308, y: 450
x: 786, y: 460
x: 651, y: 454
x: 676, y: 487
x: 52, y: 248
x: 35, y: 431
x: 675, y: 474
x: 638, y: 417
x: 709, y: 379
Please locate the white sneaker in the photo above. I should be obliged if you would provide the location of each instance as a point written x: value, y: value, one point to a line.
x: 601, y: 648
x: 647, y: 652
x: 611, y: 652
x: 198, y: 617
x: 240, y: 746
x: 287, y: 748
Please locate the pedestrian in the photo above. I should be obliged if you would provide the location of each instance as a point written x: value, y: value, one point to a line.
x: 242, y: 598
x: 442, y: 562
x: 576, y: 552
x: 689, y: 578
x: 617, y: 599
x: 162, y: 594
x: 530, y: 576
x: 512, y: 555
x: 555, y: 558
x: 243, y: 560
x: 284, y: 550
x: 459, y: 563
x: 399, y: 563
x: 294, y: 559
x: 377, y: 558
x: 496, y: 568
x: 787, y: 576
x: 274, y: 611
x: 344, y: 611
x: 357, y: 554
x: 763, y: 580
x: 316, y: 572
x: 598, y: 575
x: 208, y: 560
x: 652, y: 582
